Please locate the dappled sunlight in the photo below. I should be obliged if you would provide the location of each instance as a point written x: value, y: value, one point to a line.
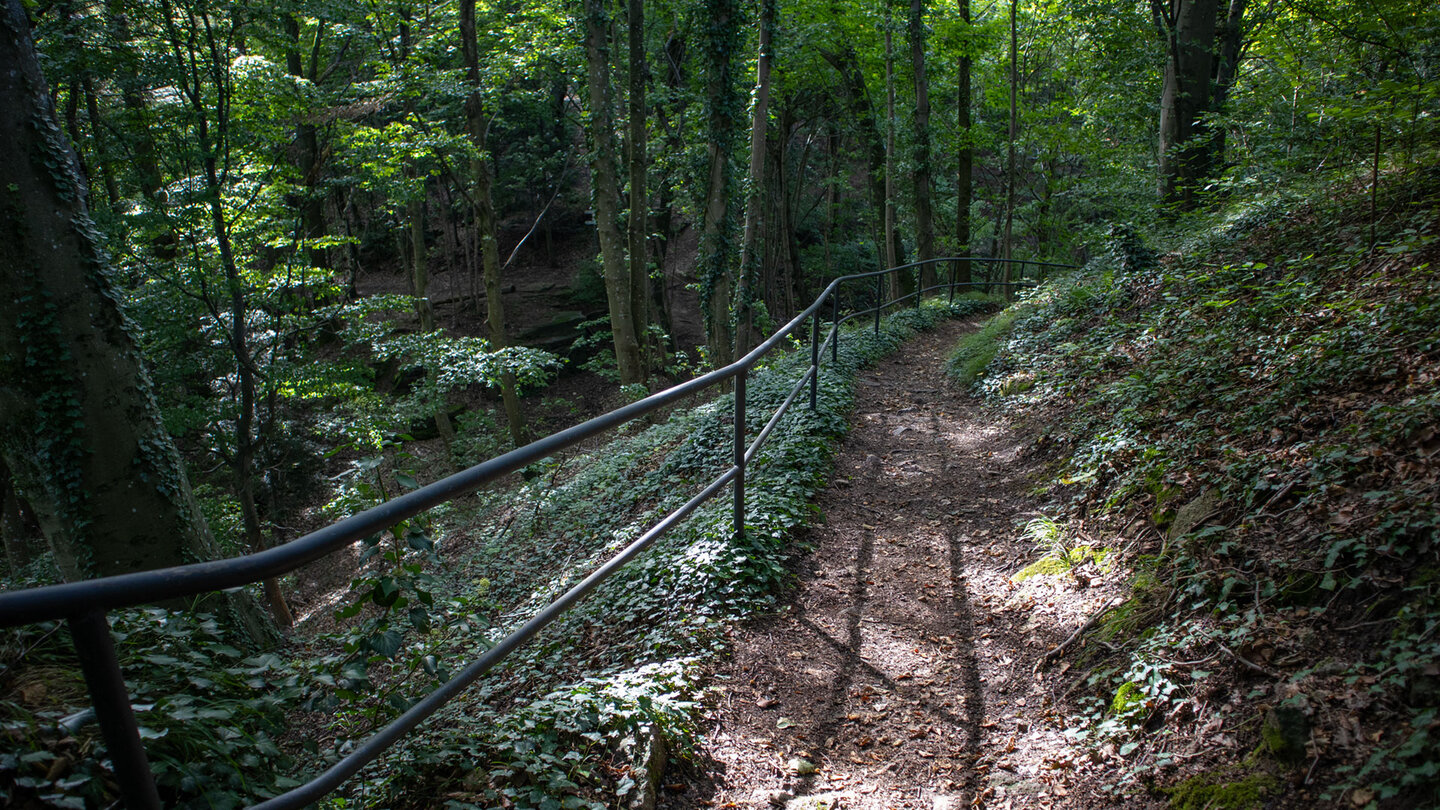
x: 904, y: 674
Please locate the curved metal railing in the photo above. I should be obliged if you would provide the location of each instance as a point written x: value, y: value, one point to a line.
x: 84, y: 605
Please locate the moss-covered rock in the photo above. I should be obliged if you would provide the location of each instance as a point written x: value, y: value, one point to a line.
x: 1212, y: 791
x: 1285, y: 732
x: 1127, y: 698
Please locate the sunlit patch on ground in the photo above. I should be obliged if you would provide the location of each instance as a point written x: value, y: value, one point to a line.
x: 903, y: 674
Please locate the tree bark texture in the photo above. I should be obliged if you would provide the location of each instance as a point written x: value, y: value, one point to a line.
x: 606, y: 194
x: 80, y: 429
x: 965, y: 152
x: 751, y: 283
x: 1189, y: 29
x: 924, y: 218
x: 638, y: 225
x: 722, y: 112
x: 477, y: 125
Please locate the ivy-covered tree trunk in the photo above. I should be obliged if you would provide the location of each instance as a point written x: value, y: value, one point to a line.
x: 924, y: 217
x: 80, y: 429
x: 606, y: 195
x: 721, y: 22
x: 751, y: 282
x: 477, y: 125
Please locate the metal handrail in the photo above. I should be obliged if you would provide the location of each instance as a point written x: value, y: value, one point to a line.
x: 84, y: 605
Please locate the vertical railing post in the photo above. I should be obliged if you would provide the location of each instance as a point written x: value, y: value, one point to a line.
x: 96, y: 650
x: 879, y: 299
x: 919, y: 286
x: 814, y: 358
x: 954, y: 269
x: 740, y: 454
x: 835, y: 321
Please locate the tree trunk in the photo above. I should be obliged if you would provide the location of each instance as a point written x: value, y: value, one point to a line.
x: 419, y: 260
x: 638, y: 226
x: 102, y: 150
x: 1007, y: 244
x: 307, y: 155
x: 666, y: 223
x: 247, y: 440
x: 1229, y: 41
x: 722, y: 111
x: 79, y: 426
x: 606, y: 195
x: 13, y: 534
x: 892, y: 247
x: 750, y: 269
x: 924, y: 219
x: 832, y: 193
x: 965, y: 152
x: 132, y: 95
x: 1189, y: 29
x: 477, y: 126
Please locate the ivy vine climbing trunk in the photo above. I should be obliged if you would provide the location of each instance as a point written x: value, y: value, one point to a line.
x: 80, y: 429
x: 477, y: 125
x: 605, y: 182
x: 721, y: 21
x: 751, y: 282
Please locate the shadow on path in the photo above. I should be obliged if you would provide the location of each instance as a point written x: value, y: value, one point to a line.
x: 880, y: 684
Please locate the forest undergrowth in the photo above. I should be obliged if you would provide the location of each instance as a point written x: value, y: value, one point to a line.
x: 559, y: 724
x: 1248, y: 418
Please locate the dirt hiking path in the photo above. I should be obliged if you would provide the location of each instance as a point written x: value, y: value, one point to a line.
x: 901, y: 674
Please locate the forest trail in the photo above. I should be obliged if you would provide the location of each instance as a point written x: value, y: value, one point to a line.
x: 900, y: 674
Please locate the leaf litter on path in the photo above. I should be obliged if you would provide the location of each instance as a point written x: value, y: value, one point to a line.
x: 891, y: 690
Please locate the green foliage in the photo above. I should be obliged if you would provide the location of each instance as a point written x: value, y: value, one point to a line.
x: 974, y: 352
x: 211, y: 716
x: 1280, y: 365
x: 1210, y: 791
x: 1061, y: 554
x: 537, y: 731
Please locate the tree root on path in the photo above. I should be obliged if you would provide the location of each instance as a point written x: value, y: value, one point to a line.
x: 1075, y: 636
